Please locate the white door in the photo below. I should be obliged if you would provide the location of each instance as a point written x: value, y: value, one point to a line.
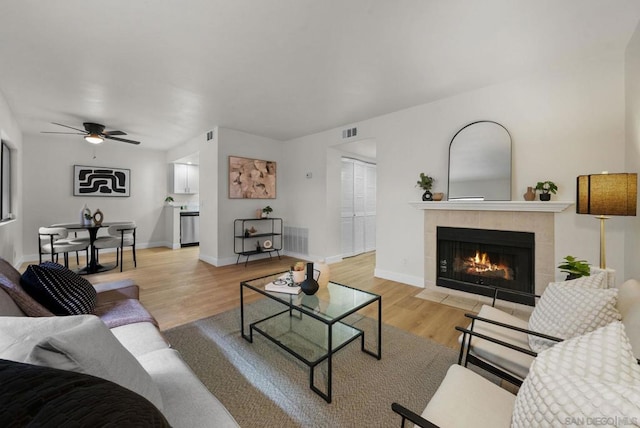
x: 358, y: 217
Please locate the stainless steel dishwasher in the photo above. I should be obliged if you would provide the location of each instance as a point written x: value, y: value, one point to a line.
x: 189, y: 228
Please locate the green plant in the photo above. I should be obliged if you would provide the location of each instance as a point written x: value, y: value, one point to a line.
x: 168, y: 199
x: 574, y: 268
x: 547, y: 187
x: 267, y: 210
x: 88, y: 216
x: 425, y: 182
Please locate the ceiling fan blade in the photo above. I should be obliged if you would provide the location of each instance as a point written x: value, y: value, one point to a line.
x: 109, y: 137
x: 70, y: 127
x: 66, y: 133
x: 114, y: 133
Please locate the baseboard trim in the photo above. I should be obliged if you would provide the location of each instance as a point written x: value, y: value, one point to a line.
x: 416, y: 281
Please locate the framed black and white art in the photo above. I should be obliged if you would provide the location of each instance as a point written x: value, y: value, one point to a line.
x: 100, y: 181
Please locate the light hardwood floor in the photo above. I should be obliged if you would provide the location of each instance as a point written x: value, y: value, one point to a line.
x: 177, y: 288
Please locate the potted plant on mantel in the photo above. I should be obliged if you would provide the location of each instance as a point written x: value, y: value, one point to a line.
x: 426, y: 183
x: 574, y: 268
x: 546, y: 188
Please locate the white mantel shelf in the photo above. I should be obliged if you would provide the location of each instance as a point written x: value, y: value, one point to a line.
x: 525, y: 206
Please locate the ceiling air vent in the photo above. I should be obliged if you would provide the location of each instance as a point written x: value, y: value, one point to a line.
x: 348, y: 133
x: 209, y: 135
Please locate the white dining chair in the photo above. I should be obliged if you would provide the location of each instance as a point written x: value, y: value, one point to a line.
x: 54, y: 241
x: 119, y: 236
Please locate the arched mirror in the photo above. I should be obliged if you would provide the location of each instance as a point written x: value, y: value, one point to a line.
x: 480, y: 163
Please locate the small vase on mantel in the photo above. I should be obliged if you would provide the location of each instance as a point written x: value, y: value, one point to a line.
x: 530, y: 195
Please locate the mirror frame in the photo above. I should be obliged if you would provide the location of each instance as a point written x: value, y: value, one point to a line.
x: 510, y: 161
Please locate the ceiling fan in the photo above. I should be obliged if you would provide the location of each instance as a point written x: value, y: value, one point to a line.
x: 94, y: 133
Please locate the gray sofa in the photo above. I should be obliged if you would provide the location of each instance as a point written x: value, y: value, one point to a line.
x: 186, y: 402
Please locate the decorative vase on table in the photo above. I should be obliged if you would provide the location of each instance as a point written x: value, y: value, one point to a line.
x: 427, y: 196
x: 323, y: 268
x: 309, y: 286
x: 97, y: 217
x: 530, y: 195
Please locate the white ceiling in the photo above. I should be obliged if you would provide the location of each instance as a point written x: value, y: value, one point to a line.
x: 166, y: 70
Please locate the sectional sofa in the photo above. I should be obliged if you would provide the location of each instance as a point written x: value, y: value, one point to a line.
x: 120, y: 339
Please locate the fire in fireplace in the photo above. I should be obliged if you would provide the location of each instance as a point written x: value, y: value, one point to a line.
x: 481, y: 261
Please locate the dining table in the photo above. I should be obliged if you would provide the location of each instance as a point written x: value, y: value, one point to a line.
x: 92, y: 266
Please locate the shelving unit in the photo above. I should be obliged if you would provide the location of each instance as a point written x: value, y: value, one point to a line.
x: 251, y: 244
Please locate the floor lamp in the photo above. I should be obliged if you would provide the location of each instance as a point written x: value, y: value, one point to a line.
x: 606, y: 195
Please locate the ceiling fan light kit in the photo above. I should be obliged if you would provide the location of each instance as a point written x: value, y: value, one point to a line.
x: 94, y: 133
x: 94, y: 138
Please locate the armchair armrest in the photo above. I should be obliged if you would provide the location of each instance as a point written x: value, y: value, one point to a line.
x: 474, y: 318
x: 412, y: 417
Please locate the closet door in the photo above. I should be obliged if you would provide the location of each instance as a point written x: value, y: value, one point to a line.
x: 358, y: 207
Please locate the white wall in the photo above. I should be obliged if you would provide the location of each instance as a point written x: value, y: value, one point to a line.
x: 48, y: 187
x: 563, y: 122
x: 217, y: 211
x: 632, y: 75
x: 11, y: 245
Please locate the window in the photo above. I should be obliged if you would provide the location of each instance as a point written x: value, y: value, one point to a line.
x: 5, y: 182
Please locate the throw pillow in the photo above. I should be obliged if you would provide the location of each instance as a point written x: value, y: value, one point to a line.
x: 565, y: 312
x: 26, y: 303
x: 58, y: 289
x: 80, y: 343
x: 46, y: 397
x: 584, y: 378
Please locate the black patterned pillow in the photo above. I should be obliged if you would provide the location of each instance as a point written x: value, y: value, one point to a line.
x: 46, y: 397
x: 58, y: 289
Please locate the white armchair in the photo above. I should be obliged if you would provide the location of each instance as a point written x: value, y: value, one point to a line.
x: 53, y: 241
x: 119, y: 236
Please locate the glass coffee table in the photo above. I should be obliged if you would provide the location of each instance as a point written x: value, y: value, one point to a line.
x: 311, y: 328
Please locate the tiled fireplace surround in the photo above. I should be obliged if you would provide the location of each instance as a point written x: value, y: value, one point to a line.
x: 534, y: 217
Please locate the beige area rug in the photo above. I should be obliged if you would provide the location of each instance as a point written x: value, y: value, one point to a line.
x: 264, y: 386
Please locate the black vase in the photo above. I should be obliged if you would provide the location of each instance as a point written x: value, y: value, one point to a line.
x: 309, y: 286
x: 427, y: 196
x: 545, y: 196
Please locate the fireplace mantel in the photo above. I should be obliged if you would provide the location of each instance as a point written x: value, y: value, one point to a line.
x: 524, y: 206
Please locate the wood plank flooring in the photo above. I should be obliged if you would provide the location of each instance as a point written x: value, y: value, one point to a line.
x: 177, y: 288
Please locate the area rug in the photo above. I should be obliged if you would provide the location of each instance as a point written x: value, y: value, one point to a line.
x: 263, y: 386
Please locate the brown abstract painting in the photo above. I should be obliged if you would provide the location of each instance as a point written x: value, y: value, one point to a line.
x: 251, y: 178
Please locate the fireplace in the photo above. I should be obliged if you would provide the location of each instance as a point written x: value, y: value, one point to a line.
x: 482, y: 261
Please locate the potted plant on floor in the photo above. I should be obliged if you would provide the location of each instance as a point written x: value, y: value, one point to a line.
x: 426, y: 183
x: 574, y: 268
x: 546, y: 188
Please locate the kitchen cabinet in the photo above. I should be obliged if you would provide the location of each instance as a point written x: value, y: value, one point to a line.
x: 186, y: 178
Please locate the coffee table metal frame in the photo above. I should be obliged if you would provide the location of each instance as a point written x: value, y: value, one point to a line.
x: 339, y: 333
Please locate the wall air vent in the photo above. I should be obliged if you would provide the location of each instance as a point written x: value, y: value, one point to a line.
x: 348, y: 133
x: 209, y: 135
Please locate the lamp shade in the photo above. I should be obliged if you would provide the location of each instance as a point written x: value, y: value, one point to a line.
x: 607, y: 194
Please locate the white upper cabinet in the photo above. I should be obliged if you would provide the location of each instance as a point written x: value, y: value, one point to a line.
x: 186, y: 178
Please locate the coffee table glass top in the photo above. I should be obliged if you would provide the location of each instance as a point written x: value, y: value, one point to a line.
x: 331, y: 303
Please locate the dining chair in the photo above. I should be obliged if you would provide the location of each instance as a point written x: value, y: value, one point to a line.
x: 73, y: 236
x: 118, y: 236
x: 54, y: 241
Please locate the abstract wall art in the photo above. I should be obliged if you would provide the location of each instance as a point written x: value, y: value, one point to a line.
x: 100, y: 181
x: 251, y: 178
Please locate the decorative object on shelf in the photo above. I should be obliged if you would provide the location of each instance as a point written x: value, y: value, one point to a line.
x: 86, y: 216
x: 546, y: 188
x: 438, y: 196
x: 266, y: 211
x: 309, y: 286
x: 425, y: 183
x: 169, y: 200
x: 574, y: 268
x: 267, y: 244
x: 323, y: 269
x: 100, y: 181
x: 97, y: 217
x: 530, y: 195
x: 298, y: 272
x: 259, y: 213
x: 258, y: 247
x: 251, y: 178
x: 604, y: 195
